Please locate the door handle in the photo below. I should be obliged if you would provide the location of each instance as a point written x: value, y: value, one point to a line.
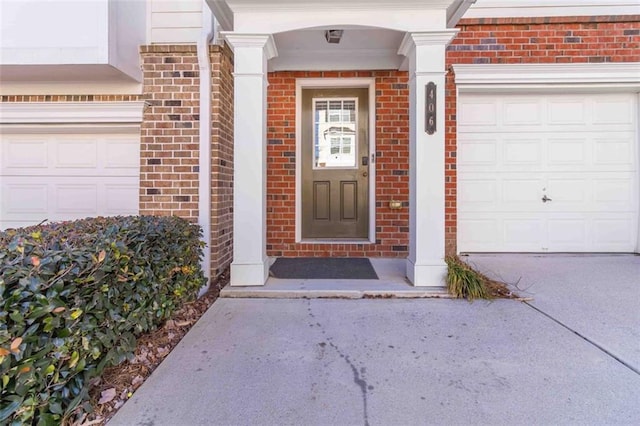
x: 545, y: 198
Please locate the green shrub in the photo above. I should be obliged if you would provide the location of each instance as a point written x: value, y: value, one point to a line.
x: 73, y: 298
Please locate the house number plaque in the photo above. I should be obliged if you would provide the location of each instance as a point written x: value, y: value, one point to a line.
x: 430, y: 108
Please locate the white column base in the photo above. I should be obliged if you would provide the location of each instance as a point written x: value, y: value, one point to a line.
x: 249, y: 274
x: 432, y: 275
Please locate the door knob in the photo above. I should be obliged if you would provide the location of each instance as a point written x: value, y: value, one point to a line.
x: 545, y: 198
x: 365, y: 174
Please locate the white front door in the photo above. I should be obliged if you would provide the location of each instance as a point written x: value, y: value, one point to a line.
x: 67, y: 176
x: 547, y: 173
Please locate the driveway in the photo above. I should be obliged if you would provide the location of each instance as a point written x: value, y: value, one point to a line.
x: 413, y: 362
x: 595, y: 296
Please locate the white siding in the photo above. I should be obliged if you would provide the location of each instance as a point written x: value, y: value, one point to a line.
x: 175, y: 21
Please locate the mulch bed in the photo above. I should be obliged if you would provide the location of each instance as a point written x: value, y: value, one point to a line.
x: 117, y: 384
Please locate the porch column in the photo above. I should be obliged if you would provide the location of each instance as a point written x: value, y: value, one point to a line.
x: 425, y: 52
x: 251, y: 53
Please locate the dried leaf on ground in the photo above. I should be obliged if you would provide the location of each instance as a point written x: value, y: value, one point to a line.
x: 107, y: 395
x: 129, y: 376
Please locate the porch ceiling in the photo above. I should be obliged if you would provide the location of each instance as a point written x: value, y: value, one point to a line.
x: 360, y: 48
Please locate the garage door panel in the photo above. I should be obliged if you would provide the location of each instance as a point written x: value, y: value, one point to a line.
x: 479, y: 195
x: 610, y: 191
x: 523, y: 233
x: 521, y: 111
x: 63, y: 177
x: 75, y: 154
x: 480, y: 233
x: 479, y: 112
x: 478, y: 153
x: 122, y: 154
x: 522, y: 152
x: 20, y: 153
x: 121, y: 199
x: 76, y: 198
x: 567, y: 111
x: 520, y: 193
x: 565, y: 152
x: 580, y: 151
x: 614, y: 150
x: 23, y: 198
x: 567, y: 234
x: 567, y: 194
x: 613, y: 111
x: 612, y: 232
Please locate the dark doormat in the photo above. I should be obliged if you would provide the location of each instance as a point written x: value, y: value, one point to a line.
x: 350, y: 268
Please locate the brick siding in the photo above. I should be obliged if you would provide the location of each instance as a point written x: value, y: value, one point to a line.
x: 392, y: 163
x: 221, y: 158
x: 170, y: 131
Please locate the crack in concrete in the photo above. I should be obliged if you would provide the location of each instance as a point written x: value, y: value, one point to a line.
x: 358, y: 375
x: 585, y: 338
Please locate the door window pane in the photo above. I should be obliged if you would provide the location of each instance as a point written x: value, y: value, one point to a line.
x: 334, y: 133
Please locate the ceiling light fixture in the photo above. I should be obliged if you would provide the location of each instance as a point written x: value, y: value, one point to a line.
x: 333, y: 36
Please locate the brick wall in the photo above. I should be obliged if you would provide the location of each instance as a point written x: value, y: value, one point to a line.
x: 392, y: 161
x: 530, y: 40
x: 169, y: 149
x: 221, y: 158
x: 169, y: 131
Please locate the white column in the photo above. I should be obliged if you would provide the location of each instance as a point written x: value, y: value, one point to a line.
x: 425, y: 52
x: 250, y: 265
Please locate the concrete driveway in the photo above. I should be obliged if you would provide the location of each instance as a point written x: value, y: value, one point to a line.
x: 568, y: 357
x: 595, y: 296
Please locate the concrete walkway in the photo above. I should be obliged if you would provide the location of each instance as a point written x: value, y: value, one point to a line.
x: 409, y: 362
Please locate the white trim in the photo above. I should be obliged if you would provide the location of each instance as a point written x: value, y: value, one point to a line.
x: 71, y: 112
x: 471, y: 77
x: 534, y: 8
x: 262, y: 41
x: 43, y: 88
x: 323, y: 83
x: 456, y: 14
x: 21, y: 129
x: 223, y: 14
x: 426, y: 38
x: 638, y: 165
x: 204, y: 142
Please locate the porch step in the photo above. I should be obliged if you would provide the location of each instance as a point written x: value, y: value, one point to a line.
x: 319, y: 289
x: 391, y: 283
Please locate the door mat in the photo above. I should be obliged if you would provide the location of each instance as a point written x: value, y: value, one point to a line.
x: 336, y: 268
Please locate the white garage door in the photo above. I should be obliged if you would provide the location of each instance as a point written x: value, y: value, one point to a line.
x: 67, y: 176
x: 556, y: 173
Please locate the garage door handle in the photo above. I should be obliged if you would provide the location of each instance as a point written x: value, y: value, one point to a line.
x: 545, y: 198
